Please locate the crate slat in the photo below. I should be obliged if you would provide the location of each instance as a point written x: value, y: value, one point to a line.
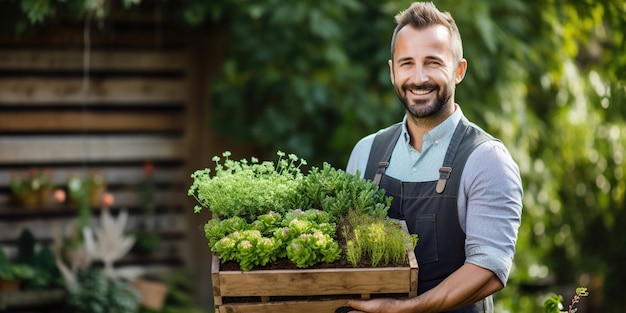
x: 327, y: 306
x: 315, y: 281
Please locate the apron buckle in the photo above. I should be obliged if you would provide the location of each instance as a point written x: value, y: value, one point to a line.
x: 381, y: 170
x: 444, y: 174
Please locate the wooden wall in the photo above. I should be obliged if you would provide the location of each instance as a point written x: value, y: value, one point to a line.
x: 132, y: 95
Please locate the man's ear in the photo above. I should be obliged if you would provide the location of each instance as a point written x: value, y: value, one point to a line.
x: 461, y: 70
x: 390, y: 62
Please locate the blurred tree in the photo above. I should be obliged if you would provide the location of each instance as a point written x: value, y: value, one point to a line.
x: 548, y: 77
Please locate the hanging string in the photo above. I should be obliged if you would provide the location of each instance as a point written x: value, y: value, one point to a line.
x: 84, y: 213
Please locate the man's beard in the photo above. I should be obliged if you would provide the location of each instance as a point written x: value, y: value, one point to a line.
x: 421, y: 108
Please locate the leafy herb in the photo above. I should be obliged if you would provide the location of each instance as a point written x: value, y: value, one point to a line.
x: 382, y: 240
x: 337, y: 192
x: 265, y: 211
x: 247, y: 189
x: 305, y: 237
x: 310, y: 249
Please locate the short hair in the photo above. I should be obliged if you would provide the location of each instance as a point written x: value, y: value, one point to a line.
x: 424, y: 14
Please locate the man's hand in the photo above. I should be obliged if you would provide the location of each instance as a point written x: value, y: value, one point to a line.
x: 378, y: 306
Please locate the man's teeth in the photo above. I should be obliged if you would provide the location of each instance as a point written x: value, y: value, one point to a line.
x: 420, y: 91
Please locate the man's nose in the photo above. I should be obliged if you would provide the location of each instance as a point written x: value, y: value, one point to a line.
x: 420, y: 75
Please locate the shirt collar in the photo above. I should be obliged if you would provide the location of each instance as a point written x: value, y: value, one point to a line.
x: 441, y: 131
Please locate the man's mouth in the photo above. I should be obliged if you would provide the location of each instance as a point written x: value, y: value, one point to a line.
x: 420, y: 90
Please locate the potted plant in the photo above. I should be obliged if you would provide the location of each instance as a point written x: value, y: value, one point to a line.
x: 273, y: 215
x: 12, y: 274
x: 32, y: 191
x: 92, y: 281
x: 152, y: 292
x: 148, y: 236
x: 94, y: 291
x: 86, y: 190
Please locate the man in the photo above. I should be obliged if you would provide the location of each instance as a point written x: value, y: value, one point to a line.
x: 456, y: 186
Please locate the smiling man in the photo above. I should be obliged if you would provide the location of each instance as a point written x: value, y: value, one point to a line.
x: 456, y: 186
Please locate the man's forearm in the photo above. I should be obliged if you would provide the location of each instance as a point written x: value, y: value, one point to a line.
x: 467, y: 285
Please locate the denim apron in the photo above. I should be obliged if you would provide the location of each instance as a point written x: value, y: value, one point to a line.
x: 430, y: 208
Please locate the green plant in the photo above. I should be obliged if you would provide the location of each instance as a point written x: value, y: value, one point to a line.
x: 96, y: 293
x: 247, y: 189
x: 382, y: 240
x: 338, y: 192
x: 256, y: 222
x: 148, y: 236
x: 16, y: 272
x: 33, y: 189
x: 86, y: 189
x: 304, y: 237
x: 12, y: 271
x: 554, y: 303
x: 34, y: 268
x: 46, y: 272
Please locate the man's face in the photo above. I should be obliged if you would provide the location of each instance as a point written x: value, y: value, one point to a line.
x: 424, y: 71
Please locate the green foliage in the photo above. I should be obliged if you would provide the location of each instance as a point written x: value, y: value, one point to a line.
x: 309, y: 249
x: 34, y: 268
x: 318, y: 94
x: 98, y: 294
x: 248, y: 189
x: 382, y: 240
x: 547, y: 77
x: 553, y: 303
x: 336, y: 191
x: 305, y: 237
x: 16, y: 271
x: 256, y: 222
x: 148, y: 236
x: 47, y: 274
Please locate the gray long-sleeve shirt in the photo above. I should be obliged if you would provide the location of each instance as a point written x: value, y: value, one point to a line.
x: 490, y: 196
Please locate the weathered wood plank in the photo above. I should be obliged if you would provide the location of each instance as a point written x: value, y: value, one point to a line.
x: 72, y: 35
x: 71, y: 90
x: 110, y: 61
x: 113, y: 174
x: 47, y: 229
x: 25, y: 149
x: 315, y: 282
x: 64, y: 121
x: 128, y: 198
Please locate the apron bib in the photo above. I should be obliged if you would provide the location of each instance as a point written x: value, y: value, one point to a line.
x: 430, y: 208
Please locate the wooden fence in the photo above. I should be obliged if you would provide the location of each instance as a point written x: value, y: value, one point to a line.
x: 127, y: 108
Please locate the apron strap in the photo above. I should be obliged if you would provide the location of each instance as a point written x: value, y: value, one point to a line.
x: 380, y: 153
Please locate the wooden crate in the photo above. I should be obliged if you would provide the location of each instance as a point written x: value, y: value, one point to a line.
x: 308, y: 290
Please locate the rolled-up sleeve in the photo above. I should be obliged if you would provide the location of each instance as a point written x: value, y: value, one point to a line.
x: 359, y: 156
x: 492, y: 198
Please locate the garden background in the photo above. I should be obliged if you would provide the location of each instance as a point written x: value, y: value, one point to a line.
x: 547, y: 77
